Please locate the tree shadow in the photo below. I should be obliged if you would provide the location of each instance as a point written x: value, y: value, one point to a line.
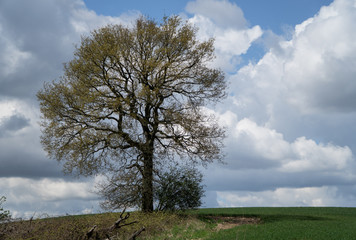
x: 264, y: 218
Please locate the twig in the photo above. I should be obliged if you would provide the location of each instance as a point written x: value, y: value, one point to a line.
x: 122, y: 218
x: 91, y: 232
x: 133, y: 237
x: 118, y: 224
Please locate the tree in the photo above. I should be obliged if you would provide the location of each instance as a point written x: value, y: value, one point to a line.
x: 179, y: 188
x: 132, y: 98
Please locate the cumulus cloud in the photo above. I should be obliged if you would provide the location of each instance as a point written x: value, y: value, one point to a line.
x: 224, y: 21
x: 48, y: 196
x: 324, y: 47
x: 292, y: 132
x: 223, y: 13
x: 283, y: 197
x: 260, y: 158
x: 37, y: 37
x: 258, y: 142
x: 305, y: 85
x: 311, y: 156
x: 315, y: 69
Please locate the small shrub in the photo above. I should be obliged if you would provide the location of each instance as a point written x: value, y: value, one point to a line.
x: 179, y: 188
x: 4, y: 217
x: 4, y: 214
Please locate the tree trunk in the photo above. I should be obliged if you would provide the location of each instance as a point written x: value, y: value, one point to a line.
x: 147, y: 188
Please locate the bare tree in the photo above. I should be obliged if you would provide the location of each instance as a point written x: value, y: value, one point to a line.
x: 131, y: 97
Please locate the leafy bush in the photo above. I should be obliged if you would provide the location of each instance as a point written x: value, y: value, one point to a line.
x: 179, y: 188
x: 175, y: 188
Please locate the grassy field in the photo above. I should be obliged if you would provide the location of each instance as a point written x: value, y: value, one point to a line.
x: 226, y: 223
x: 290, y: 223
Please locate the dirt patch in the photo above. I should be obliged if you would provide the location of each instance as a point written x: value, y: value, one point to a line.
x: 231, y: 222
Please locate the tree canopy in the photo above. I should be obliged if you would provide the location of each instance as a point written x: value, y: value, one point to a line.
x: 132, y: 98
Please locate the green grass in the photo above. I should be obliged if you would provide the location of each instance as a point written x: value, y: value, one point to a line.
x: 290, y: 223
x: 275, y: 223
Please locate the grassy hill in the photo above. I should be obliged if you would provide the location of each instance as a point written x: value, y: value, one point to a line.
x: 223, y: 223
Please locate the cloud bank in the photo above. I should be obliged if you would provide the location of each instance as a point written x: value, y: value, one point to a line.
x: 291, y: 137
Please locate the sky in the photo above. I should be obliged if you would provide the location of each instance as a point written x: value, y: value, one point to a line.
x: 290, y: 112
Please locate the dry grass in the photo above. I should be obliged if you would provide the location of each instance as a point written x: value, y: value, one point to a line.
x: 225, y: 222
x: 76, y: 227
x: 158, y: 226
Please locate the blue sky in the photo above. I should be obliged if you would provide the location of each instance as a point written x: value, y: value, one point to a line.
x: 290, y: 112
x: 281, y: 15
x: 274, y: 14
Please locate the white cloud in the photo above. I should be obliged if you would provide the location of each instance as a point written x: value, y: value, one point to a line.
x: 324, y: 48
x: 293, y: 140
x: 311, y: 156
x: 251, y: 144
x: 282, y: 197
x: 37, y: 37
x: 50, y: 196
x: 236, y: 42
x: 84, y: 20
x: 229, y: 43
x: 7, y: 108
x: 225, y: 22
x: 312, y: 73
x: 264, y: 142
x: 223, y: 13
x: 261, y: 158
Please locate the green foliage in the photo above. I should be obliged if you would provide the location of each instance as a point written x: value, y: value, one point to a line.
x: 4, y: 218
x: 179, y: 188
x: 4, y: 214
